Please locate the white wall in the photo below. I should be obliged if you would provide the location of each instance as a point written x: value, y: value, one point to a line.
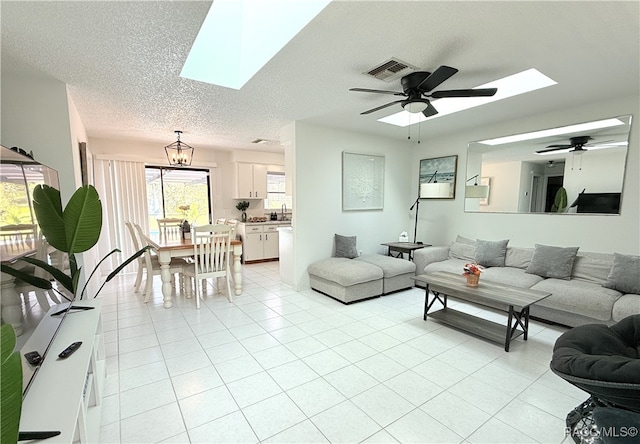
x: 503, y: 196
x: 600, y: 171
x: 36, y: 117
x: 606, y: 233
x: 317, y: 195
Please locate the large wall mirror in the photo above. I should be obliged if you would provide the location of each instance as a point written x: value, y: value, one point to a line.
x: 576, y: 169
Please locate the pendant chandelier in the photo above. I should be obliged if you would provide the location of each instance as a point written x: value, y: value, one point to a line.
x: 179, y: 153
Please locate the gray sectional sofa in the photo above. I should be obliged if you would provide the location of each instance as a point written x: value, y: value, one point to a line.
x: 582, y: 296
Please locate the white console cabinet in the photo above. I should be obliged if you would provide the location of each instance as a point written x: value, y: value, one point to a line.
x: 66, y: 394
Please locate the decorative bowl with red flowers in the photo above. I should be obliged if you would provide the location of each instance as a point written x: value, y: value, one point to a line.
x: 472, y: 268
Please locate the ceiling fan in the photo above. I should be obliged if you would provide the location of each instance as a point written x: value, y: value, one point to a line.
x: 576, y: 144
x: 417, y: 85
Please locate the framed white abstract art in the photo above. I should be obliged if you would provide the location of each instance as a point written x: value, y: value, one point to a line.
x: 362, y: 181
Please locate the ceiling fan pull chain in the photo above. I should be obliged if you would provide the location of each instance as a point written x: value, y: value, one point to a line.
x: 419, y: 128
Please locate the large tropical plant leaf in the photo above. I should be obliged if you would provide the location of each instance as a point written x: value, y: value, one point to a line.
x: 64, y: 279
x: 83, y: 219
x: 48, y: 208
x: 29, y: 278
x: 76, y: 228
x: 10, y: 385
x: 559, y: 201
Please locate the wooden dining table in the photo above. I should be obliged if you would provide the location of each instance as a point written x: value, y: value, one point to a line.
x: 167, y: 247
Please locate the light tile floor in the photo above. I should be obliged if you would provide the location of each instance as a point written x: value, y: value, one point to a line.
x: 283, y: 366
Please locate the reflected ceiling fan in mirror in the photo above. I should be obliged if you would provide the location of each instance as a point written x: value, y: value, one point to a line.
x: 417, y: 87
x: 577, y: 145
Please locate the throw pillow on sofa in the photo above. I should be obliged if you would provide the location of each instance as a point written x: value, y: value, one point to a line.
x: 491, y: 253
x: 346, y: 246
x: 625, y: 274
x: 462, y: 248
x: 552, y: 262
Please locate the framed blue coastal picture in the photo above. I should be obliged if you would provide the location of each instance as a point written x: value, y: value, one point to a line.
x: 438, y: 177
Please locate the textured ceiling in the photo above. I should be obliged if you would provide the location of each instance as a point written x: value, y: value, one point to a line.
x: 122, y: 61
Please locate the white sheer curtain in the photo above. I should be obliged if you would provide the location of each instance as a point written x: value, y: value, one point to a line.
x: 123, y: 190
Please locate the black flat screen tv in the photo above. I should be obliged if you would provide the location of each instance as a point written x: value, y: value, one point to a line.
x: 607, y: 203
x: 19, y: 237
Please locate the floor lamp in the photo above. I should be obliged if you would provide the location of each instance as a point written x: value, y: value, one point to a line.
x: 416, y: 204
x: 429, y: 190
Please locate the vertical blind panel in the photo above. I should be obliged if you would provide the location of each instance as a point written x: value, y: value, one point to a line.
x: 122, y: 187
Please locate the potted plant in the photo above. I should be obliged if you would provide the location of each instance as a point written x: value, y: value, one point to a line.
x: 242, y: 206
x: 559, y: 201
x: 10, y: 385
x: 71, y: 230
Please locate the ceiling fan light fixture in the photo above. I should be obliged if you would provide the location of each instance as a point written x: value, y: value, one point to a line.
x: 416, y: 106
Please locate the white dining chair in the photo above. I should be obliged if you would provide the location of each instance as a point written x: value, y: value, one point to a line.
x: 170, y: 227
x: 233, y: 223
x: 152, y: 265
x: 211, y: 253
x: 142, y: 263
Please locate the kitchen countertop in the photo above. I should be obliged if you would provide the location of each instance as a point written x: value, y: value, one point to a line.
x: 269, y: 222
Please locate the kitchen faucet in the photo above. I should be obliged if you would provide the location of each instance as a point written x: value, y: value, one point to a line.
x: 283, y: 210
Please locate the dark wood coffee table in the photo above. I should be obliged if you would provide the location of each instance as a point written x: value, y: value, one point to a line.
x: 514, y: 300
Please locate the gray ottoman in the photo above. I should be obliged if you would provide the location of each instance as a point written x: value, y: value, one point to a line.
x: 346, y: 280
x: 396, y: 272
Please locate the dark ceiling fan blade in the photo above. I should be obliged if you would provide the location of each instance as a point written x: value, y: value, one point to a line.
x: 430, y: 111
x: 562, y: 146
x: 484, y: 92
x: 599, y: 142
x: 377, y: 91
x: 556, y: 148
x: 381, y: 107
x: 436, y: 78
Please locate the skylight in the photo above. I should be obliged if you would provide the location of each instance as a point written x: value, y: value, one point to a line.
x: 238, y: 37
x: 520, y: 83
x: 581, y: 127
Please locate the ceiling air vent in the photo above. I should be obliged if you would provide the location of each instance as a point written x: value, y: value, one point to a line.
x: 260, y: 141
x: 391, y: 70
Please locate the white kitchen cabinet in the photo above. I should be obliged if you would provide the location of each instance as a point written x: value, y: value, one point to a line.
x: 271, y: 249
x: 252, y: 181
x: 253, y: 246
x: 259, y: 241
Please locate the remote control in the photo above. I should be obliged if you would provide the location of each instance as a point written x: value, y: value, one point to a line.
x: 69, y: 350
x: 33, y: 358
